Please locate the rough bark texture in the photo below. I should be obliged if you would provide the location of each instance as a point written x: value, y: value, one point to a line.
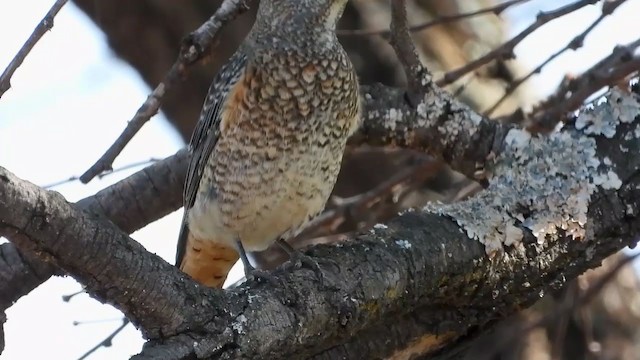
x: 605, y: 328
x: 414, y: 287
x: 374, y: 279
x: 420, y: 267
x: 159, y: 184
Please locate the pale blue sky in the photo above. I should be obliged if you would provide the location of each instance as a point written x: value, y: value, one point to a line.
x: 71, y: 99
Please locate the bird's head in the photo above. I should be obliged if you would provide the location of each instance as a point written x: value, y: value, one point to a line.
x: 303, y: 14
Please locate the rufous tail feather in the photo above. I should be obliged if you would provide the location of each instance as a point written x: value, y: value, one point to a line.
x: 207, y: 261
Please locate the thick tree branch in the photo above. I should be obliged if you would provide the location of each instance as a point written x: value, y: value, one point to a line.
x: 388, y: 121
x: 19, y: 274
x: 3, y: 319
x: 112, y: 267
x: 143, y: 197
x: 158, y: 186
x: 421, y: 259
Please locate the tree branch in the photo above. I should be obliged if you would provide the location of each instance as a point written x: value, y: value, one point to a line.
x: 194, y: 47
x: 574, y: 90
x: 443, y: 19
x: 20, y: 273
x: 420, y: 260
x: 406, y: 50
x: 112, y: 267
x: 505, y: 51
x: 3, y: 319
x: 574, y: 44
x: 43, y: 26
x: 158, y: 186
x: 388, y: 121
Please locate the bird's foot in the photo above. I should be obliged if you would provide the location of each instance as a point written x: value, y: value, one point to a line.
x: 253, y: 274
x: 260, y: 276
x: 299, y: 260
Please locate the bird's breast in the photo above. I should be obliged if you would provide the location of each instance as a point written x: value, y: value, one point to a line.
x: 258, y: 194
x: 279, y: 152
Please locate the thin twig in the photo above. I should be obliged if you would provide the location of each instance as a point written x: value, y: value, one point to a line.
x: 417, y: 76
x: 572, y: 92
x: 444, y: 19
x: 99, y: 321
x: 113, y: 171
x: 107, y: 342
x: 193, y: 49
x: 67, y: 298
x: 505, y: 51
x: 575, y: 44
x: 45, y: 25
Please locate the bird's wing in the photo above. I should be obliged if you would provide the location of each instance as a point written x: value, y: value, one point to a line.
x: 205, y: 136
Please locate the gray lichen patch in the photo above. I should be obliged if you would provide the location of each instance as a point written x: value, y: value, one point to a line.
x: 461, y: 123
x: 543, y: 183
x: 408, y: 124
x: 604, y: 118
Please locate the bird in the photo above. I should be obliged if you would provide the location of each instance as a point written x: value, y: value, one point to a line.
x: 267, y: 148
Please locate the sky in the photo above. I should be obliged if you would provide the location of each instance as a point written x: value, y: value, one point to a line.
x: 72, y: 97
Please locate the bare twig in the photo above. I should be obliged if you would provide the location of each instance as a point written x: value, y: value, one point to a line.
x: 99, y: 321
x: 505, y: 51
x: 576, y: 43
x: 67, y: 298
x: 113, y: 171
x: 193, y: 49
x: 107, y: 342
x: 417, y: 76
x: 45, y: 25
x: 572, y: 92
x: 496, y: 9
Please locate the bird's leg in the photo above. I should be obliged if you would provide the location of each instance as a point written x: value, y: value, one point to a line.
x: 298, y: 260
x: 250, y: 272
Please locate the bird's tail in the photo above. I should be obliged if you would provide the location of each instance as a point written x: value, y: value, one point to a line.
x: 206, y: 261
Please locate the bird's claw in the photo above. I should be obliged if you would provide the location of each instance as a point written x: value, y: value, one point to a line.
x: 260, y: 276
x: 298, y: 260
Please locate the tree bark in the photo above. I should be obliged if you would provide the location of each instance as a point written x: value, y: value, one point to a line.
x: 421, y: 266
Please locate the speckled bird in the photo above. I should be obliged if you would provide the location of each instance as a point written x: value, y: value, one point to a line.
x: 267, y: 149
